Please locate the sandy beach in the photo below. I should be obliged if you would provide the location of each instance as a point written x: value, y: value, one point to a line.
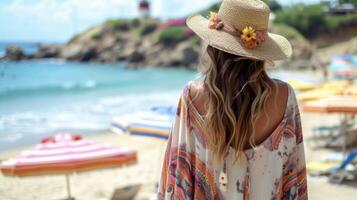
x: 100, y: 184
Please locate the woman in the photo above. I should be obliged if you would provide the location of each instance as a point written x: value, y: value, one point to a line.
x: 237, y: 134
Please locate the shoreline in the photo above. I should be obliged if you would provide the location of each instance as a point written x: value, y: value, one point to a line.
x: 30, y: 144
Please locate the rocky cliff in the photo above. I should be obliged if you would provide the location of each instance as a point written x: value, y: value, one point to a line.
x: 137, y: 42
x: 142, y: 43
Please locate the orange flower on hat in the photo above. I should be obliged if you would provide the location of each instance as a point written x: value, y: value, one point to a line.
x: 248, y: 34
x: 250, y: 44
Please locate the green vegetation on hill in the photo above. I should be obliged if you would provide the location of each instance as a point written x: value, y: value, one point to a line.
x: 147, y: 29
x: 273, y: 4
x: 172, y: 34
x: 95, y: 36
x: 354, y: 2
x: 287, y: 31
x: 119, y: 24
x: 311, y: 20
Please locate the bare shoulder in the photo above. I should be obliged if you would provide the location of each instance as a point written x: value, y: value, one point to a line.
x: 196, y: 89
x: 282, y: 87
x: 280, y: 95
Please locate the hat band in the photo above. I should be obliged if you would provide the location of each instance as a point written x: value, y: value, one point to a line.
x: 249, y: 37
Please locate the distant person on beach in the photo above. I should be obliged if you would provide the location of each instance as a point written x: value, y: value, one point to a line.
x: 237, y: 133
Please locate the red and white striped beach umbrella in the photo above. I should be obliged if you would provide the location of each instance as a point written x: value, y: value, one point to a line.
x: 65, y: 154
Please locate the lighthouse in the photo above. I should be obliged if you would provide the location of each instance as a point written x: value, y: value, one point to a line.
x: 144, y: 9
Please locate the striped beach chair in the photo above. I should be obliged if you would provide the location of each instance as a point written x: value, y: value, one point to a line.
x: 156, y: 122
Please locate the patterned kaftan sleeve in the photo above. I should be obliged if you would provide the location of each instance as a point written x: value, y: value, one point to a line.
x: 176, y: 177
x: 294, y: 181
x: 185, y: 172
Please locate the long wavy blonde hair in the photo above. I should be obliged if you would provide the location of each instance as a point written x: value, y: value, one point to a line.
x: 237, y: 89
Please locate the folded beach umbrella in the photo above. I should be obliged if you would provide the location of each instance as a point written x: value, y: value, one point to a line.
x: 333, y: 104
x: 65, y: 154
x: 325, y: 90
x: 154, y: 123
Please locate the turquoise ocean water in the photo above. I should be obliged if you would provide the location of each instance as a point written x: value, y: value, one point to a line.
x: 42, y: 97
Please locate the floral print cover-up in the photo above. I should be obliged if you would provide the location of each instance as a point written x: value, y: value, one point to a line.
x: 275, y: 169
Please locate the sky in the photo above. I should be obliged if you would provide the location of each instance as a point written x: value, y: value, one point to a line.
x: 59, y: 20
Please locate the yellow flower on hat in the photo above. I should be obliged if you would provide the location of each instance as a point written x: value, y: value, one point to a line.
x: 248, y: 34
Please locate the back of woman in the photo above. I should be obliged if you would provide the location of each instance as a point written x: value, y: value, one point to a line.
x: 237, y: 133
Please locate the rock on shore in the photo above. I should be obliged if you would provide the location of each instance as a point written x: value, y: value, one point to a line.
x: 14, y: 53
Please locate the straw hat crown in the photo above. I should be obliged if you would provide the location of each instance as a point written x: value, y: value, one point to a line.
x: 241, y: 27
x: 242, y: 13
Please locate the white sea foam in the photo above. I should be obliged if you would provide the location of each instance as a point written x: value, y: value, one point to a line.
x: 90, y: 116
x: 111, y: 101
x: 90, y: 84
x: 69, y: 85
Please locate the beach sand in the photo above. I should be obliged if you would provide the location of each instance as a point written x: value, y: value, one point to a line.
x: 100, y: 184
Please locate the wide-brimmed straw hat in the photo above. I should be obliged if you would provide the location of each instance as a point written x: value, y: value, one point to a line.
x: 241, y: 27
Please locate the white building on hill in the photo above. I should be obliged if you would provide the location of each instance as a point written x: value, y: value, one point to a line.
x: 144, y: 9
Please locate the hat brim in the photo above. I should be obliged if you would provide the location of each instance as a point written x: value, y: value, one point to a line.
x: 275, y: 47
